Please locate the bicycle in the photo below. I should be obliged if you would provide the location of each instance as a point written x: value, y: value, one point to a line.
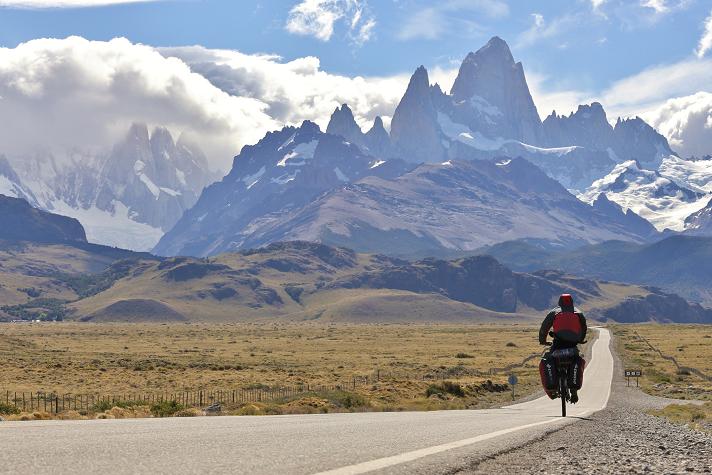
x: 564, y: 359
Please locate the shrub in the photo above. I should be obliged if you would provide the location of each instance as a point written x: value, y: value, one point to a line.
x: 165, y: 408
x: 511, y: 344
x: 346, y: 399
x: 463, y: 355
x: 446, y: 387
x: 189, y: 412
x: 103, y: 406
x: 8, y: 409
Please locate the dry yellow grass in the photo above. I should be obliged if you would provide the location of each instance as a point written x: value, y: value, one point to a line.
x: 690, y: 345
x: 697, y: 417
x: 115, y: 359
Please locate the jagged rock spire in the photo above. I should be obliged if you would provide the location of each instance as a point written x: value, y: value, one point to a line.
x: 342, y: 123
x: 492, y: 90
x: 414, y: 128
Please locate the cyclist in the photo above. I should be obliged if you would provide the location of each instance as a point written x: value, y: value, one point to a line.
x: 569, y: 329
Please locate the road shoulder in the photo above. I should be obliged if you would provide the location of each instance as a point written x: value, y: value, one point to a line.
x: 621, y: 438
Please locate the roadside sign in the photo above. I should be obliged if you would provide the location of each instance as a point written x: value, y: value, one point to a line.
x: 633, y: 373
x: 513, y: 380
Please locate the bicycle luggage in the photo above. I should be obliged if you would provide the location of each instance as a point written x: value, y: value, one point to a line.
x: 576, y: 373
x: 549, y: 376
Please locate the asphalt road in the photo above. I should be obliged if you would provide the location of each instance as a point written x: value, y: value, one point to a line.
x: 405, y: 442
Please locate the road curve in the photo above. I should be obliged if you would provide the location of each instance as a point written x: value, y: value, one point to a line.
x: 402, y: 442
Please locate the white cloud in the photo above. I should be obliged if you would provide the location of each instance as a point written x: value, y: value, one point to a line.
x: 541, y: 29
x: 686, y: 122
x: 318, y: 18
x: 664, y: 6
x: 296, y: 90
x: 62, y: 94
x: 651, y: 87
x: 705, y: 43
x: 56, y: 95
x: 633, y: 14
x: 65, y: 3
x: 432, y: 22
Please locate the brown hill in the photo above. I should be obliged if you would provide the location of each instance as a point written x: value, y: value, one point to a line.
x: 302, y: 281
x: 306, y: 281
x: 134, y: 311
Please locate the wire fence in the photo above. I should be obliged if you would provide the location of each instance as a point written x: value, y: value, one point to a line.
x: 52, y: 402
x: 680, y: 368
x: 57, y: 403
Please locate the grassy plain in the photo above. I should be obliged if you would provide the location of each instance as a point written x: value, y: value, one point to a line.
x: 690, y: 345
x: 698, y: 417
x: 413, y: 361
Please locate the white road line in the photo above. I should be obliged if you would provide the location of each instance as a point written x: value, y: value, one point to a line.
x: 604, y: 367
x: 416, y: 454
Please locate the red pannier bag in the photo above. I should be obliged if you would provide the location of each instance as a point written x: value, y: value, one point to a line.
x: 576, y: 373
x: 549, y: 376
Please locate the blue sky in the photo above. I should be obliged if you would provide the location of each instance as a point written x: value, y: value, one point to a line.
x: 576, y: 45
x: 227, y: 71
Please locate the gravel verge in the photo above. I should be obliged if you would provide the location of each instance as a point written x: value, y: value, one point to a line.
x: 620, y: 439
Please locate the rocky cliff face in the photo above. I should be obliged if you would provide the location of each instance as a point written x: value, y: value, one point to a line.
x: 587, y: 127
x: 490, y: 95
x: 268, y: 184
x: 156, y: 178
x: 490, y: 112
x: 700, y: 222
x: 342, y: 123
x: 378, y: 141
x: 636, y: 140
x: 658, y: 307
x: 414, y: 129
x: 431, y: 209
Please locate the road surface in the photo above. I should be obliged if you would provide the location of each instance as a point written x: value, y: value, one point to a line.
x: 404, y: 442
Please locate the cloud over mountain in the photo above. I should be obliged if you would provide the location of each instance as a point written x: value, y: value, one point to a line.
x: 687, y: 122
x: 295, y: 90
x: 62, y: 94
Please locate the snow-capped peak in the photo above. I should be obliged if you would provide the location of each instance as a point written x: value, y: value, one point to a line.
x: 649, y: 194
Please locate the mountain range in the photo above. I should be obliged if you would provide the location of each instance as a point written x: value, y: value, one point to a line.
x: 678, y: 263
x: 52, y: 273
x: 128, y: 197
x: 457, y: 170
